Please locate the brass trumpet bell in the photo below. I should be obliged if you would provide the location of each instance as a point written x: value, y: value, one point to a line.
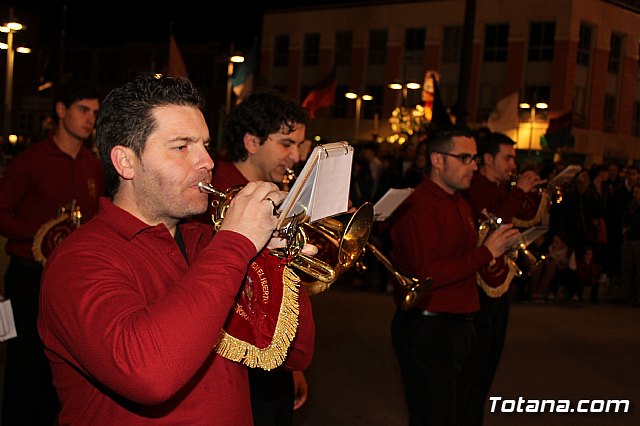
x: 350, y: 238
x: 526, y: 262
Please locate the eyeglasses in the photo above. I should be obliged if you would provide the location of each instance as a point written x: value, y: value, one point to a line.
x: 465, y: 159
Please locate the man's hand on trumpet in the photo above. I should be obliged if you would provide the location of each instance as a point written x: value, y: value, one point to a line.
x: 529, y: 181
x: 499, y: 240
x: 251, y: 212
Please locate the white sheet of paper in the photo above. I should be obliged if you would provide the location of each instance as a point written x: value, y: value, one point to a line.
x: 321, y: 190
x: 7, y: 324
x: 331, y: 195
x: 528, y: 236
x: 389, y: 202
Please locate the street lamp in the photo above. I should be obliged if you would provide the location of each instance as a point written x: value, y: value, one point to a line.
x: 405, y: 88
x: 235, y: 59
x: 9, y: 28
x: 532, y: 117
x: 359, y: 99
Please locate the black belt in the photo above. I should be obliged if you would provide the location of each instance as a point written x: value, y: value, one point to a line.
x: 448, y: 316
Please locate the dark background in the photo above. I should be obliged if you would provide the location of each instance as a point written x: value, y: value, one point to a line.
x: 116, y: 21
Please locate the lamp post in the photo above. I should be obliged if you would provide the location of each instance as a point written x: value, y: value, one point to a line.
x: 359, y: 99
x: 9, y: 28
x: 405, y: 88
x: 532, y: 117
x: 235, y: 59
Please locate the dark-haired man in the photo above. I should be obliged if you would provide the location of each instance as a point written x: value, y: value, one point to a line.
x: 434, y: 235
x: 264, y: 135
x: 490, y: 190
x: 134, y: 303
x: 47, y: 176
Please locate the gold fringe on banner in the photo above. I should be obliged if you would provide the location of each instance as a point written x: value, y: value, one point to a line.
x: 286, y: 327
x: 542, y: 210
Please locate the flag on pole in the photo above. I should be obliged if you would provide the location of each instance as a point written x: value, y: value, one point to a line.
x: 323, y: 94
x: 439, y: 116
x: 53, y: 68
x: 504, y: 116
x: 243, y: 75
x: 559, y: 133
x: 176, y: 67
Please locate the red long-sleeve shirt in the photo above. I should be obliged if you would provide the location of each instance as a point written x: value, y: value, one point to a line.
x: 497, y: 198
x: 38, y: 182
x: 129, y: 327
x: 433, y: 235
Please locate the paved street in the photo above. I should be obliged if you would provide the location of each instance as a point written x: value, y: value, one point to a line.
x: 559, y: 351
x: 569, y: 352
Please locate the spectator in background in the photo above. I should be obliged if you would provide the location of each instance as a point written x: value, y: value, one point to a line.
x: 588, y: 273
x: 581, y: 214
x: 630, y: 253
x: 620, y: 200
x: 563, y: 264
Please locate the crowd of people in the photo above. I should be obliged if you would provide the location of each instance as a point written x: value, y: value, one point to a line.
x: 104, y: 323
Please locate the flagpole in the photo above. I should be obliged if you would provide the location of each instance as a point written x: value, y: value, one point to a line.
x: 227, y: 107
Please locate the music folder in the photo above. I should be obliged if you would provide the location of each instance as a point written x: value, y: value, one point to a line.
x: 7, y: 323
x: 389, y: 202
x: 322, y: 188
x: 527, y: 237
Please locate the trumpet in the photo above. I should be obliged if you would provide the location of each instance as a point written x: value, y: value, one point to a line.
x: 553, y: 191
x: 413, y: 289
x: 350, y: 239
x: 521, y: 259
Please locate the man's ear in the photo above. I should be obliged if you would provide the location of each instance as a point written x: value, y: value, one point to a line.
x: 487, y: 159
x: 60, y: 109
x: 123, y: 159
x: 437, y: 160
x: 251, y: 143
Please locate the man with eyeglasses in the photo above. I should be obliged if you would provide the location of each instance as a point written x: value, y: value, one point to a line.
x: 491, y: 190
x: 434, y: 235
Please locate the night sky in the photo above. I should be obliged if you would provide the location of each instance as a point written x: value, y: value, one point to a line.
x: 117, y: 21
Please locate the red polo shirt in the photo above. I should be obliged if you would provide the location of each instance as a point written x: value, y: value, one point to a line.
x: 129, y: 326
x: 433, y: 235
x: 39, y: 181
x: 497, y: 198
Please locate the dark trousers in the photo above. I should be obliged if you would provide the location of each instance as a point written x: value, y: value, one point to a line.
x: 436, y: 357
x: 271, y: 397
x: 491, y: 330
x: 29, y: 395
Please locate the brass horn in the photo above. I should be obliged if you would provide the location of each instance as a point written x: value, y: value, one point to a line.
x: 522, y: 260
x: 350, y: 239
x: 413, y: 289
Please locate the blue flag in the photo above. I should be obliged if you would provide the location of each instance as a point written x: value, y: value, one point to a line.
x: 243, y: 75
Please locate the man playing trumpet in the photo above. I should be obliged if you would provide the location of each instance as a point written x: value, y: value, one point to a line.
x: 264, y: 137
x: 133, y: 304
x: 433, y: 235
x: 491, y: 190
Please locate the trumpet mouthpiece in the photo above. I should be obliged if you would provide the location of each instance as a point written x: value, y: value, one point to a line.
x: 208, y: 189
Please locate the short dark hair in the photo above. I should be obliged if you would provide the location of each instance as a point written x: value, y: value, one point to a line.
x: 72, y: 91
x: 263, y: 113
x: 126, y: 116
x: 490, y: 144
x: 442, y: 141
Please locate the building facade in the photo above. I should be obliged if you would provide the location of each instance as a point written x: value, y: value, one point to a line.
x: 578, y: 56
